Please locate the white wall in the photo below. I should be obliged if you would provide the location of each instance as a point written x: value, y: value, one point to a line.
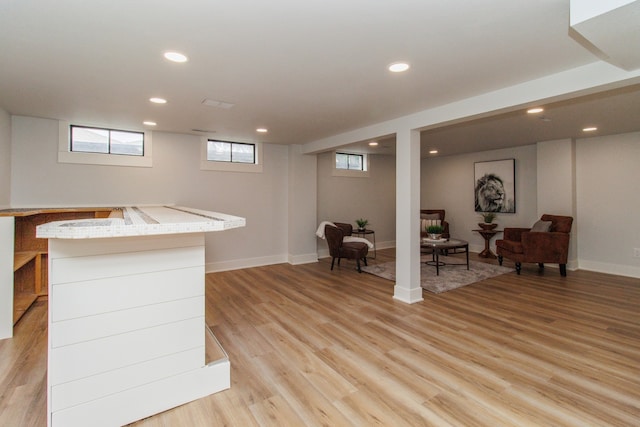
x: 345, y: 199
x: 557, y: 185
x: 607, y: 225
x: 5, y: 159
x: 608, y: 204
x: 7, y: 226
x: 38, y: 180
x: 593, y: 179
x: 447, y: 182
x: 302, y: 204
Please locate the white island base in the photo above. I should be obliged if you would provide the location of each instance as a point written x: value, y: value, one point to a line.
x: 127, y: 328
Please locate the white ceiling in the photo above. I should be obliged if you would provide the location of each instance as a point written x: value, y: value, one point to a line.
x: 612, y: 112
x: 306, y: 70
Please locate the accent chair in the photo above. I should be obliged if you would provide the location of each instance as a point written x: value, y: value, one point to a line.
x: 546, y: 242
x: 339, y: 249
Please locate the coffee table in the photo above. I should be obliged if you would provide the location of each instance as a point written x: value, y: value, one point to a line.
x: 438, y: 245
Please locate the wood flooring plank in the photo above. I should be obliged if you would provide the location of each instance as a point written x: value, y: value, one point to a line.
x: 306, y: 399
x: 275, y: 411
x: 314, y: 347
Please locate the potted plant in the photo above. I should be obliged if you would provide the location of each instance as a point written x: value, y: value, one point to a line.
x: 362, y: 223
x: 435, y: 231
x: 488, y: 223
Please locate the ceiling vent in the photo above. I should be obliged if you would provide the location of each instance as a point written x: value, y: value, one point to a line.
x: 217, y: 104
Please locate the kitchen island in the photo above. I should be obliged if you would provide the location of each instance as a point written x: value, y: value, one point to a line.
x: 126, y: 314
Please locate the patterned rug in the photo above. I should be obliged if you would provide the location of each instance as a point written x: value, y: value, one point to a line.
x: 451, y: 277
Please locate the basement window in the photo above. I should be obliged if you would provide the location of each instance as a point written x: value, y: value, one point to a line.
x: 350, y: 164
x: 106, y: 141
x: 103, y: 146
x: 234, y: 152
x: 350, y: 161
x: 230, y: 156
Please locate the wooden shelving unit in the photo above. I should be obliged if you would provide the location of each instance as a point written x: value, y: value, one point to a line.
x: 27, y: 281
x: 21, y: 258
x: 30, y: 275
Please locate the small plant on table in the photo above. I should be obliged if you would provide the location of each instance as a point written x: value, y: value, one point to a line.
x: 435, y: 231
x: 362, y: 223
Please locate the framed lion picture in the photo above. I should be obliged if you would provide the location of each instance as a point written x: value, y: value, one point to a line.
x: 495, y: 186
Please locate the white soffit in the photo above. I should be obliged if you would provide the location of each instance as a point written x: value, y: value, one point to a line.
x: 594, y: 20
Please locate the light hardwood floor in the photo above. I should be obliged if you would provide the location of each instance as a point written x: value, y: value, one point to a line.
x: 309, y: 346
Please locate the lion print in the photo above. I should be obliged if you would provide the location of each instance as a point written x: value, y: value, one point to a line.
x: 491, y: 195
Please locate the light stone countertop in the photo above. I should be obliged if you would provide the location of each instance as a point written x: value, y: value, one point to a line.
x: 141, y: 221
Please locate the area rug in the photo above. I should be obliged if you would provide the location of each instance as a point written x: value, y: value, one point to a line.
x: 451, y: 277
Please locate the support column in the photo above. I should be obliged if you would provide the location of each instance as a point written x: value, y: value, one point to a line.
x: 407, y: 288
x: 302, y: 206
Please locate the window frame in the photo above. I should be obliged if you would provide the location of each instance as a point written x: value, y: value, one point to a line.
x: 354, y: 173
x: 231, y: 144
x: 349, y: 155
x: 228, y: 166
x: 109, y: 142
x: 65, y: 155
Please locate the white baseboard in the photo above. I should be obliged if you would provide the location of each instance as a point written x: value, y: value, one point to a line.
x: 608, y: 268
x: 237, y: 264
x: 600, y: 267
x: 386, y: 245
x: 303, y: 259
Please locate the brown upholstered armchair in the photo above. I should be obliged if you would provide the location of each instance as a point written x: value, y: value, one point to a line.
x: 547, y: 241
x: 347, y: 229
x: 434, y: 214
x: 339, y: 249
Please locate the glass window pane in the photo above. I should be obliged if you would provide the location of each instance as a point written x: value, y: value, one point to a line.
x: 131, y: 143
x: 89, y: 140
x: 219, y: 151
x: 242, y: 153
x: 342, y: 161
x: 355, y: 162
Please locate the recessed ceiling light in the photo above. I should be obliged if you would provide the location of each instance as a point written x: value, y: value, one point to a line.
x: 398, y: 67
x: 373, y: 143
x: 149, y: 123
x: 175, y: 57
x: 590, y: 129
x: 433, y: 151
x: 158, y: 100
x: 535, y: 110
x: 262, y: 130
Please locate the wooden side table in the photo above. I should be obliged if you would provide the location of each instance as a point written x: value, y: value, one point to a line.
x: 363, y: 233
x: 487, y: 235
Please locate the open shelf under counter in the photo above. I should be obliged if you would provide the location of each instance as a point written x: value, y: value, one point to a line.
x: 29, y: 256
